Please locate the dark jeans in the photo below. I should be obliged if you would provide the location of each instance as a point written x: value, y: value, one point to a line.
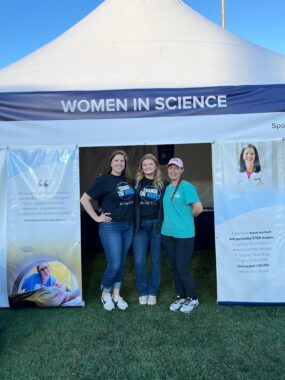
x: 179, y: 251
x: 116, y: 239
x: 147, y: 284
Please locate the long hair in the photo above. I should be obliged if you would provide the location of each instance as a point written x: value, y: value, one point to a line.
x: 256, y: 163
x: 126, y: 171
x: 158, y: 177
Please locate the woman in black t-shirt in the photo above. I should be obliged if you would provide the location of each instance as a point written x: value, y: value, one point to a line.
x: 115, y: 196
x: 149, y: 190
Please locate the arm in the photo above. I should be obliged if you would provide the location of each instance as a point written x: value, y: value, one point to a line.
x: 197, y: 208
x: 86, y: 203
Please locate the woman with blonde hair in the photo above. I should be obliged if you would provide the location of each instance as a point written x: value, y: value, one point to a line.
x: 149, y: 190
x: 115, y: 196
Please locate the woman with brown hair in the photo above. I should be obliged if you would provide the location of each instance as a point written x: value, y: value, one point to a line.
x: 181, y: 204
x: 115, y: 197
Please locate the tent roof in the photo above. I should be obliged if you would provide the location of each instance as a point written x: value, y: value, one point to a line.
x: 143, y: 44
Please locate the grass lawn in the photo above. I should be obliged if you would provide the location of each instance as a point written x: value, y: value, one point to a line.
x: 144, y: 342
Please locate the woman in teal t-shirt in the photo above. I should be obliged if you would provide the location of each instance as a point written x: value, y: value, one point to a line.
x: 180, y: 204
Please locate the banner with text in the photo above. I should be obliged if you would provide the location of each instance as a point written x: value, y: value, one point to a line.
x: 143, y: 116
x: 43, y: 234
x: 249, y: 198
x: 3, y: 218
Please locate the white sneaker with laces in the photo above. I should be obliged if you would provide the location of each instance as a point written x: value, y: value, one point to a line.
x: 177, y: 304
x: 107, y: 301
x: 151, y: 300
x: 143, y: 300
x: 189, y: 305
x: 120, y: 302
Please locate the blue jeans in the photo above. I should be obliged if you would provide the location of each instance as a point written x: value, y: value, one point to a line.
x: 147, y: 284
x: 116, y: 238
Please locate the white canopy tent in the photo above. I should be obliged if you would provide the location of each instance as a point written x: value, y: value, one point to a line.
x: 142, y: 73
x: 125, y: 44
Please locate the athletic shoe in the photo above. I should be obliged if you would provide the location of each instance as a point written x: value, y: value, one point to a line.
x: 189, y: 305
x: 176, y: 305
x: 120, y: 302
x: 107, y: 302
x: 151, y: 300
x: 143, y: 300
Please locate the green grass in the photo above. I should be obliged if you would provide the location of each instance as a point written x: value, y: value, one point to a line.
x: 214, y: 342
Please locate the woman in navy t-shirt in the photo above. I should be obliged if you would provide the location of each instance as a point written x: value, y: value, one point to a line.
x: 149, y: 189
x: 115, y: 196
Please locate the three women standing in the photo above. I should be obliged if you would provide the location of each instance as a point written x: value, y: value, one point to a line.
x: 116, y: 200
x: 181, y: 204
x: 149, y: 191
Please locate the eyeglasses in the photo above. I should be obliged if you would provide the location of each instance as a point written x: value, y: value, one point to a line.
x: 42, y: 269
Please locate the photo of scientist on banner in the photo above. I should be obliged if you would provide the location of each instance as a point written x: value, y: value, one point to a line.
x: 249, y: 175
x: 250, y: 167
x: 48, y: 284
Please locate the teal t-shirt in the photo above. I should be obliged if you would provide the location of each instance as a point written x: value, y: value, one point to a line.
x: 178, y: 217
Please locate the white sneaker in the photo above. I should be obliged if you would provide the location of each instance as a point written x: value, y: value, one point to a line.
x: 107, y: 301
x: 151, y: 300
x: 189, y: 305
x: 176, y: 305
x: 120, y: 302
x: 143, y: 300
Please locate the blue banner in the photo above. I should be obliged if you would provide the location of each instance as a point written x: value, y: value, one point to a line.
x: 141, y: 103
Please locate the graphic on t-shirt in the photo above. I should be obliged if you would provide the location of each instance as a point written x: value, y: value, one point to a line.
x: 150, y: 194
x: 124, y: 190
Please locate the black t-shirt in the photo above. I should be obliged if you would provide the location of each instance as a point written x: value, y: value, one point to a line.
x: 149, y: 199
x: 115, y: 196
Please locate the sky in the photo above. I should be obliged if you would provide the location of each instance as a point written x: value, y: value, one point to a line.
x: 26, y: 25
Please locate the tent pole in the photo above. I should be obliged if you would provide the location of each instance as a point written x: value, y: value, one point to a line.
x: 223, y: 14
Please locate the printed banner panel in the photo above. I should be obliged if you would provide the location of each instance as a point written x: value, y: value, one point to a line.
x: 249, y: 199
x: 143, y: 116
x: 3, y: 219
x: 44, y: 256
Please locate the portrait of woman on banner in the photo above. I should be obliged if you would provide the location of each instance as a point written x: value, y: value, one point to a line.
x: 249, y: 176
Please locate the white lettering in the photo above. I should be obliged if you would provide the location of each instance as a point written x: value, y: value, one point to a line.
x: 68, y: 106
x: 97, y: 106
x: 212, y: 104
x: 143, y: 104
x: 159, y: 104
x: 189, y: 102
x: 93, y: 105
x: 83, y: 105
x: 222, y: 101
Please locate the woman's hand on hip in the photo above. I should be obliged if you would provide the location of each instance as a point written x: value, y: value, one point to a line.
x: 104, y: 217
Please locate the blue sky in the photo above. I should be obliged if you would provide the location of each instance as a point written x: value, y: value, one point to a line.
x: 26, y: 25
